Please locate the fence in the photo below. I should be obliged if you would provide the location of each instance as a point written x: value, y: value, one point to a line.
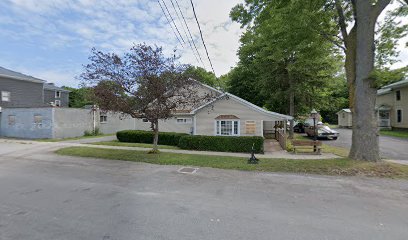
x: 281, y: 137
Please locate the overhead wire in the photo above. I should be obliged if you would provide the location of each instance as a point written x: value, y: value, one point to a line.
x: 172, y: 20
x: 202, y: 38
x: 172, y: 28
x: 189, y: 33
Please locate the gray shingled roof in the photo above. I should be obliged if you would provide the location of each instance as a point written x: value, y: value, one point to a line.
x: 19, y: 76
x: 51, y: 86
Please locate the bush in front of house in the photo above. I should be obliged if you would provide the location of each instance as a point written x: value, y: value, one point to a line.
x: 139, y: 136
x: 222, y: 143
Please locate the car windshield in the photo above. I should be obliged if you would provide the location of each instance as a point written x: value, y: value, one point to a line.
x: 326, y: 129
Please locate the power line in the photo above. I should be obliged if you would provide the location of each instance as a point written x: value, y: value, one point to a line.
x: 201, y: 34
x: 184, y: 30
x: 189, y: 32
x: 172, y: 20
x: 172, y: 28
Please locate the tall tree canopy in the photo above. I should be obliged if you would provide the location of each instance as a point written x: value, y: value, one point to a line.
x: 79, y: 97
x: 288, y: 59
x: 351, y: 25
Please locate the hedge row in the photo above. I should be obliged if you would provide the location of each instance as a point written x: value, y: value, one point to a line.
x: 195, y: 142
x: 222, y: 143
x: 138, y: 136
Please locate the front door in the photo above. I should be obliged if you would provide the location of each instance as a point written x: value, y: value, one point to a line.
x: 384, y: 118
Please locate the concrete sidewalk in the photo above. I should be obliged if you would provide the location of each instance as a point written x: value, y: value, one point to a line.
x: 278, y: 154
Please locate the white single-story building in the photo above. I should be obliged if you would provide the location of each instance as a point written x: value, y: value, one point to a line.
x: 345, y: 118
x: 225, y: 115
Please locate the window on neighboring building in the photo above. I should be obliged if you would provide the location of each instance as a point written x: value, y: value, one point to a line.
x: 5, y: 96
x: 398, y: 95
x: 227, y: 127
x: 103, y: 119
x: 343, y: 115
x: 250, y: 127
x: 184, y: 120
x: 57, y: 94
x: 399, y: 115
x: 58, y: 103
x: 38, y: 120
x: 145, y: 120
x: 11, y: 120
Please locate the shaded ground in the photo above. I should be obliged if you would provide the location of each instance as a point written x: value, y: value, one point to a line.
x: 390, y: 147
x: 45, y: 196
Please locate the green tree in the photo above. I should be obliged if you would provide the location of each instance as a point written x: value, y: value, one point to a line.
x: 204, y: 76
x: 79, y: 97
x: 293, y: 62
x: 338, y: 24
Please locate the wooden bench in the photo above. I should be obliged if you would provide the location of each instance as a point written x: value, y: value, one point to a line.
x: 302, y: 144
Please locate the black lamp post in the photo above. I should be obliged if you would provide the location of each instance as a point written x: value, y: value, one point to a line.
x: 313, y: 113
x: 253, y: 159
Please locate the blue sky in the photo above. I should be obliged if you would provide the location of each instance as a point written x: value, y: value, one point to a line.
x: 52, y: 39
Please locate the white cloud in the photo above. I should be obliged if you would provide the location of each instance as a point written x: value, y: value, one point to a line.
x: 62, y: 28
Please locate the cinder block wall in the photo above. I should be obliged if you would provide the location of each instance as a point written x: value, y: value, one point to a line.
x: 24, y: 125
x: 116, y: 122
x: 72, y: 122
x: 58, y: 122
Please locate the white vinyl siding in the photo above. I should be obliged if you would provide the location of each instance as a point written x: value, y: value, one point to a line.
x: 205, y: 118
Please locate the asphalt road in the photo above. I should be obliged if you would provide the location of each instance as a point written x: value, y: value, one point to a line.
x: 390, y: 147
x: 45, y: 196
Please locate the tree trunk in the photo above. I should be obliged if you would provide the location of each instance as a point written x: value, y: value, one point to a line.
x: 291, y: 105
x: 156, y: 136
x: 365, y: 145
x: 350, y: 64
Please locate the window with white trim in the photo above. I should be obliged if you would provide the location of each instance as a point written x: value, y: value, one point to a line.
x: 227, y: 127
x: 5, y: 96
x: 57, y: 94
x: 399, y: 115
x: 398, y: 95
x: 58, y: 103
x: 183, y: 120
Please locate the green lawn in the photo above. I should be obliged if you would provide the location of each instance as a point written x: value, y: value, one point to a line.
x: 341, y: 166
x: 69, y: 139
x: 342, y: 152
x: 395, y: 133
x: 126, y: 144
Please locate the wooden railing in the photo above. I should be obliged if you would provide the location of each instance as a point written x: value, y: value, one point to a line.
x: 281, y: 137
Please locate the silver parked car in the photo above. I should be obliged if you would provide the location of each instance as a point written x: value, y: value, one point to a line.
x: 323, y: 132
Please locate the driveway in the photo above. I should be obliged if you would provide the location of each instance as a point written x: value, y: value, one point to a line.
x: 390, y: 147
x: 45, y: 196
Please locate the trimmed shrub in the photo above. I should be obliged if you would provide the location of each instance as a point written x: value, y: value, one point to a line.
x: 139, y: 136
x: 222, y: 143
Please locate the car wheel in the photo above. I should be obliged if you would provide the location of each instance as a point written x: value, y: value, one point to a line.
x: 335, y: 138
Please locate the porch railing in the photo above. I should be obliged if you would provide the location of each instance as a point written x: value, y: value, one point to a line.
x: 281, y: 138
